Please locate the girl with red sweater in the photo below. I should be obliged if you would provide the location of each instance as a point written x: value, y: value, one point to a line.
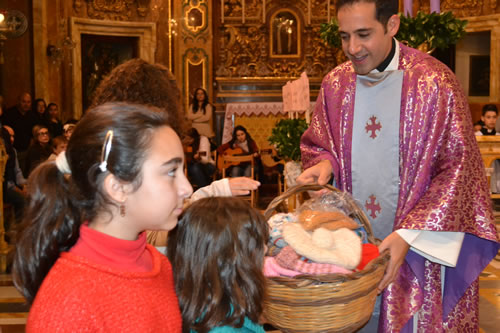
x: 82, y: 259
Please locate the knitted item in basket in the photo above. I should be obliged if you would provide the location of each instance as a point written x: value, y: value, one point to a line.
x: 289, y: 259
x: 272, y: 268
x: 340, y: 247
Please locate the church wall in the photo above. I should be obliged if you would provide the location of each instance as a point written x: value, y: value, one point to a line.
x: 16, y: 74
x: 51, y: 76
x: 240, y: 61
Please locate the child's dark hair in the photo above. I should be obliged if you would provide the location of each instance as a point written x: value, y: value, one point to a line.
x: 58, y: 140
x: 137, y: 81
x: 490, y: 108
x: 59, y: 203
x: 193, y: 133
x: 217, y: 254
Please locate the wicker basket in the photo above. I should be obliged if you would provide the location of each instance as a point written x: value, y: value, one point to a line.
x: 324, y: 303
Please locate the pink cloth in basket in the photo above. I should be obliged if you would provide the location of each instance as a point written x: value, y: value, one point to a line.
x: 271, y: 268
x: 289, y: 259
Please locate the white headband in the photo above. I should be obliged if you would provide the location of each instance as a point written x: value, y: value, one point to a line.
x: 62, y: 163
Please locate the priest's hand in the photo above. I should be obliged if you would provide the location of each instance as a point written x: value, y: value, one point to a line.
x: 319, y: 173
x: 398, y: 248
x: 242, y: 185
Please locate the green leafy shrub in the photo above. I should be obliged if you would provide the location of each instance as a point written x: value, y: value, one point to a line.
x: 286, y: 138
x: 437, y: 30
x: 329, y: 32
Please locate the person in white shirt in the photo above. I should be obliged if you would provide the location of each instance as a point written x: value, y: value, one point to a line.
x: 200, y: 113
x: 200, y: 164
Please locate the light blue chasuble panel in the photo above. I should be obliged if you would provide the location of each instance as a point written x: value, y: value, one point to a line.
x: 375, y: 147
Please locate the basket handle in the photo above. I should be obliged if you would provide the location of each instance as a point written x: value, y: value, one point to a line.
x: 316, y: 187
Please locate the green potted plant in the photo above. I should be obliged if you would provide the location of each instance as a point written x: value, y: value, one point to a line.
x: 285, y: 136
x: 433, y: 30
x: 329, y: 32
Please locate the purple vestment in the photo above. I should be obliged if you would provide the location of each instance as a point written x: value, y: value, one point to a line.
x: 443, y: 187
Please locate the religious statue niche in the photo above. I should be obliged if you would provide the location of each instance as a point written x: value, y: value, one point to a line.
x: 194, y: 19
x: 285, y: 34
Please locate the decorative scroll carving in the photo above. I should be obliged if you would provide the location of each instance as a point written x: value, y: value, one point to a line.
x: 244, y: 51
x: 77, y: 5
x: 463, y: 8
x: 114, y: 9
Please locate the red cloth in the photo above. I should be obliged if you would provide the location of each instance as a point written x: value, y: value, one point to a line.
x: 368, y: 253
x: 113, y: 252
x: 79, y: 295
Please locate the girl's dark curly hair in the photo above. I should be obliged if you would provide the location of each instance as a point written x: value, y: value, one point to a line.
x: 217, y: 254
x: 139, y: 82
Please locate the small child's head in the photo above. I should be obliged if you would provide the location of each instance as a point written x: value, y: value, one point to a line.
x: 68, y: 128
x: 59, y: 144
x: 490, y: 115
x: 217, y: 253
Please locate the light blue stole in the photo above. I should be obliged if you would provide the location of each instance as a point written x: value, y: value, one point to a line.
x: 375, y: 147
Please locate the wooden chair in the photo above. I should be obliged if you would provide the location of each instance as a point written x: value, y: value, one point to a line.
x: 230, y: 160
x: 267, y: 156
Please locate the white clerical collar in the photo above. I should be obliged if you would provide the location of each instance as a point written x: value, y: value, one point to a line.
x: 394, y: 64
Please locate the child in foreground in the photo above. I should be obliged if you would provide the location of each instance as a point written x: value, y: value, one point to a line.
x: 82, y: 259
x: 217, y: 255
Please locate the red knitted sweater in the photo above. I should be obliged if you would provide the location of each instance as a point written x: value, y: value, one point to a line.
x: 80, y: 296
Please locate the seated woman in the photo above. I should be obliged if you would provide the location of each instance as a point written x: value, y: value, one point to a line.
x: 39, y: 150
x: 200, y: 164
x: 200, y: 113
x: 241, y: 143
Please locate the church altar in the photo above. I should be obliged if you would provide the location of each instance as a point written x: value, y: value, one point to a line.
x: 258, y: 118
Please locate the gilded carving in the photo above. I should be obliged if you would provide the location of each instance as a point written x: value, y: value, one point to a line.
x: 245, y: 53
x: 463, y: 8
x: 114, y: 9
x: 77, y: 5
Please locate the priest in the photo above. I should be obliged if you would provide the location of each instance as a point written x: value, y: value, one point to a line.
x: 392, y: 126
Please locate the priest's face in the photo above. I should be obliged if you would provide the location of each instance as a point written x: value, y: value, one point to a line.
x: 365, y: 41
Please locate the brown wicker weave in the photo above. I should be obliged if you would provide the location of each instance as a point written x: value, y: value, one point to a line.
x: 324, y: 303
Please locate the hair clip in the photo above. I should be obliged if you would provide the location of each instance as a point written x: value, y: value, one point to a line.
x: 106, y: 148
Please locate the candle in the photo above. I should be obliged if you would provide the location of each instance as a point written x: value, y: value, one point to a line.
x: 263, y: 11
x: 328, y: 10
x: 435, y: 6
x: 408, y: 6
x: 309, y: 12
x: 222, y: 11
x: 243, y: 12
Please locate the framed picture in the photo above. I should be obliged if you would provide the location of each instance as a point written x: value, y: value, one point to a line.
x: 100, y: 54
x: 479, y: 75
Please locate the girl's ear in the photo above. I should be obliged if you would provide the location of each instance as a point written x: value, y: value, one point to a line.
x: 116, y: 189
